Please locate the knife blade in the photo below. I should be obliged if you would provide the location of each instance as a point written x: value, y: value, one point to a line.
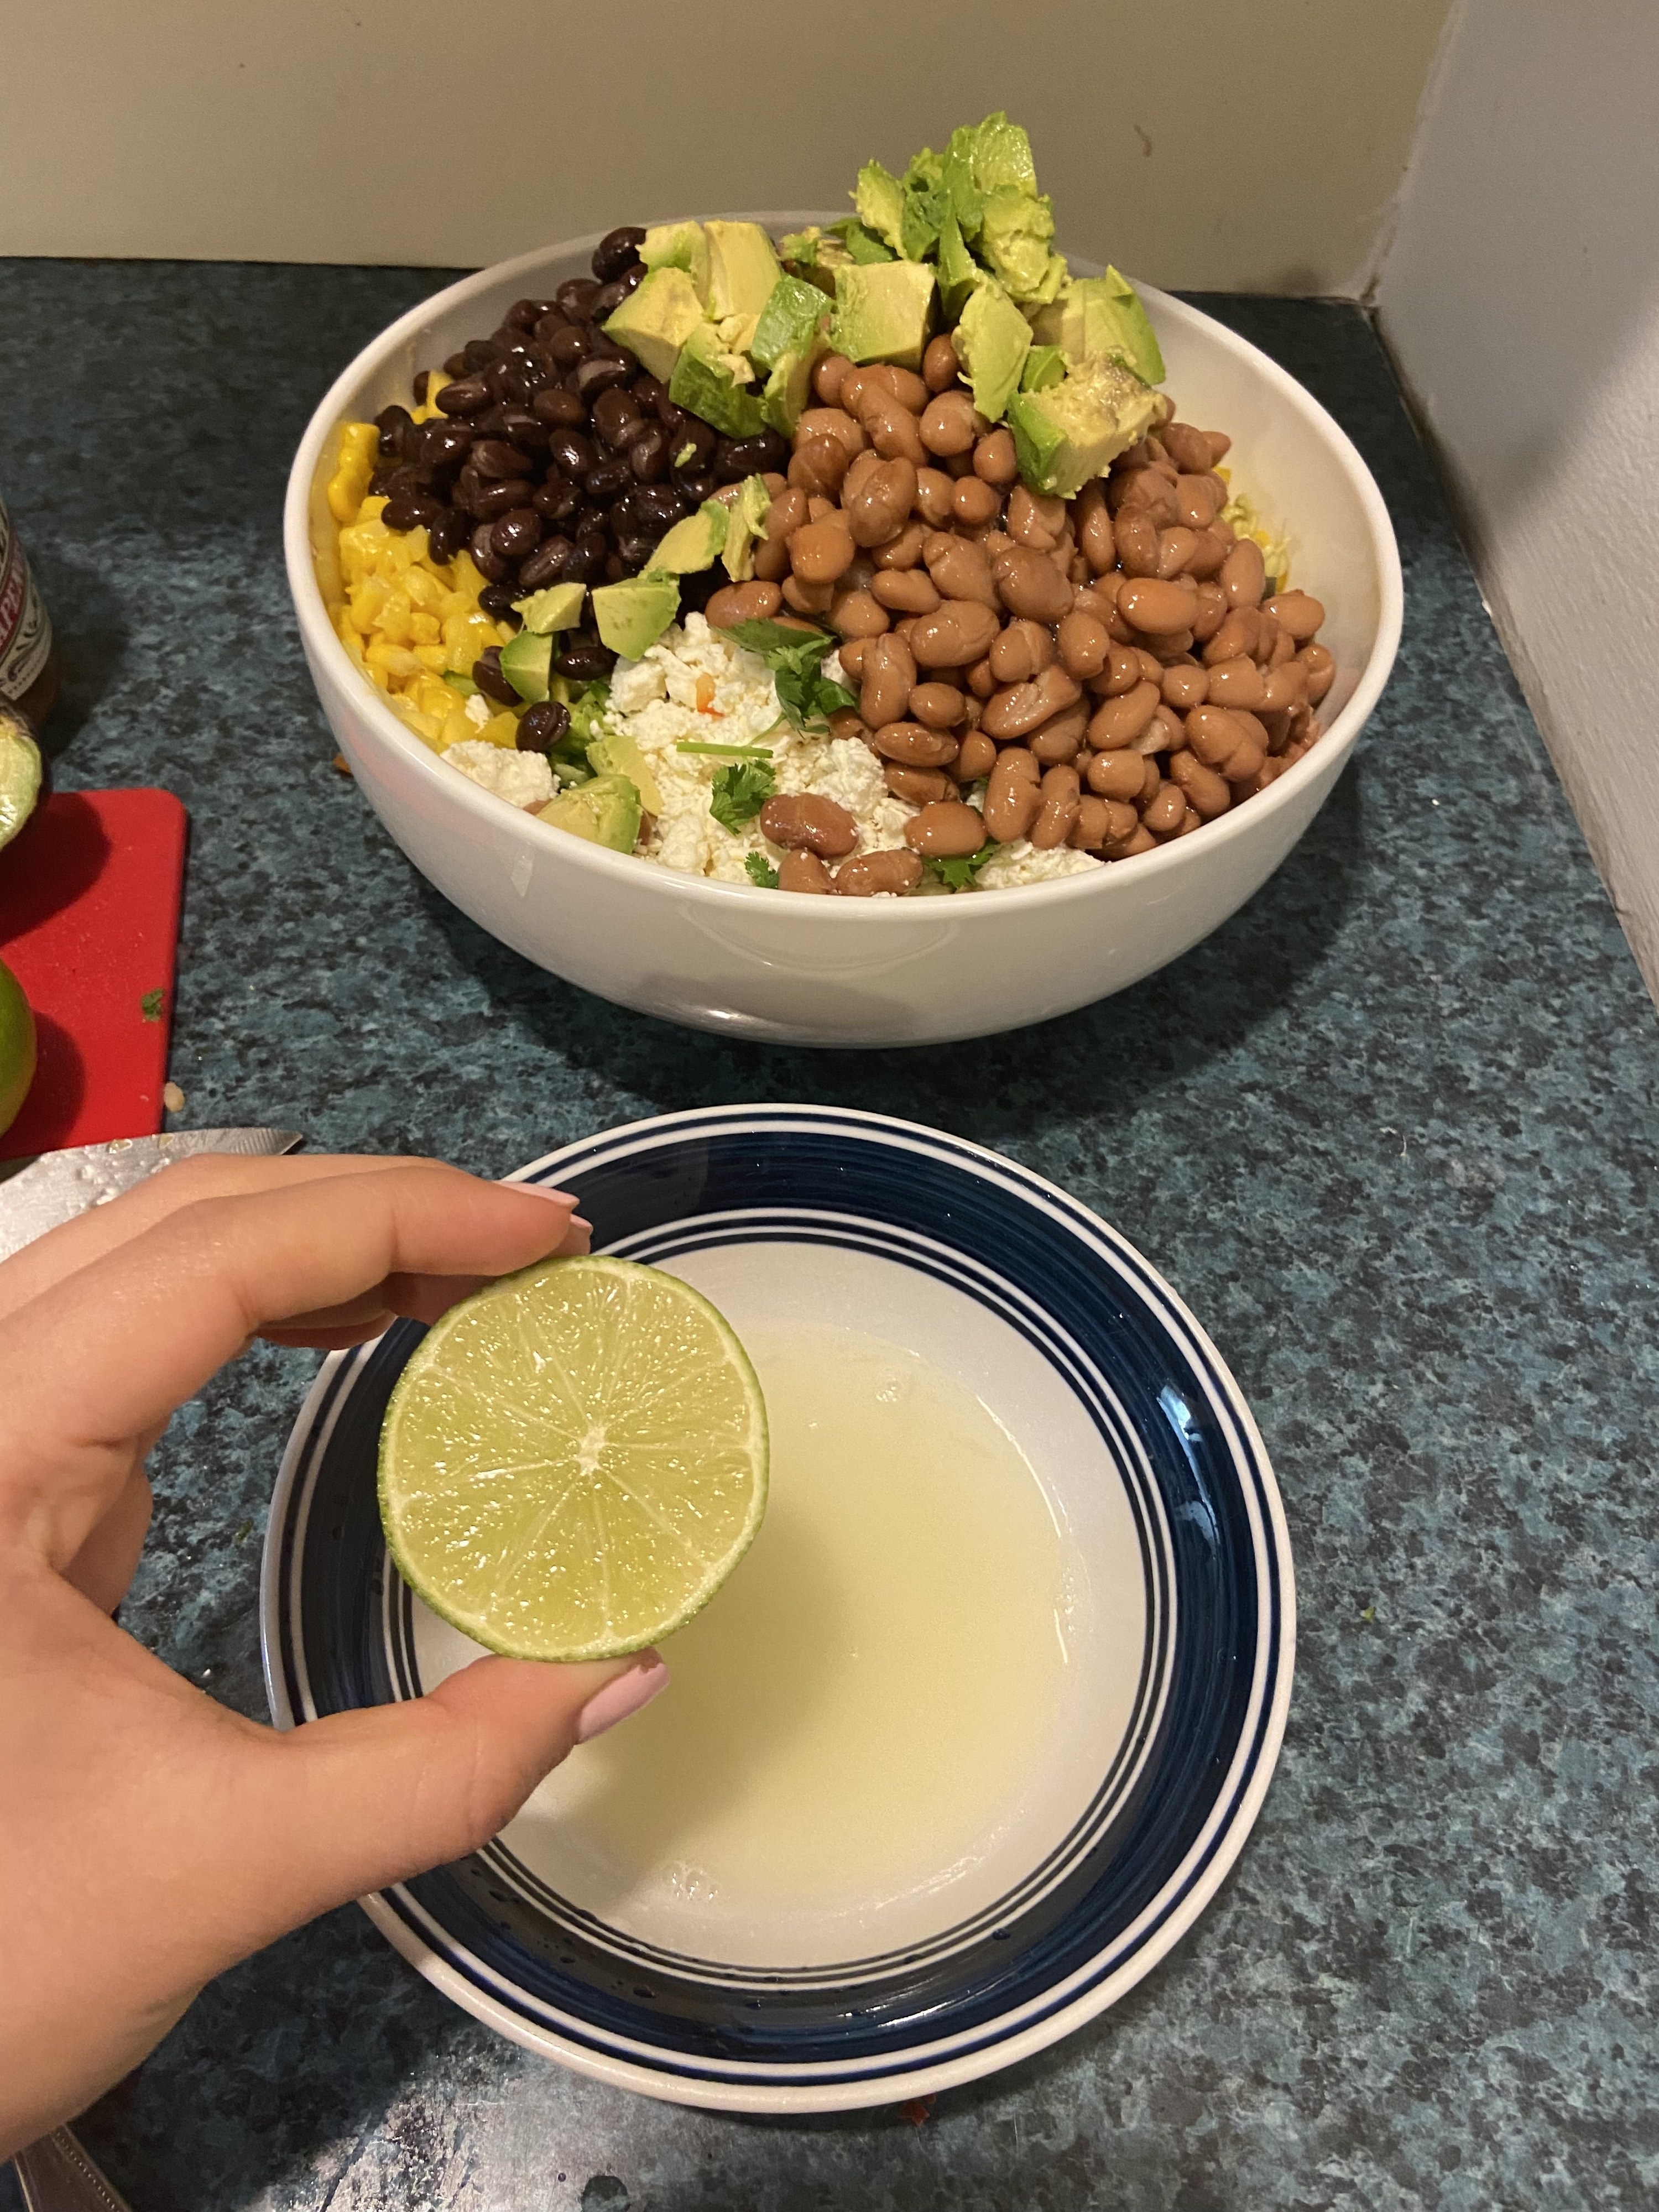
x: 54, y: 1187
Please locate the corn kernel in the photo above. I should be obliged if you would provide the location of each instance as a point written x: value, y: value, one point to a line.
x: 500, y: 729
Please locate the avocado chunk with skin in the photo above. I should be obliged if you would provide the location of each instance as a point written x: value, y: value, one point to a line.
x: 558, y: 607
x: 1103, y: 315
x: 707, y: 382
x: 634, y: 614
x: 695, y: 542
x: 1044, y: 365
x: 605, y: 812
x: 679, y: 245
x: 884, y: 312
x: 789, y: 339
x: 992, y: 341
x: 743, y: 268
x: 1066, y: 434
x: 745, y: 521
x: 526, y: 663
x: 656, y: 319
x: 879, y: 200
x: 1015, y: 241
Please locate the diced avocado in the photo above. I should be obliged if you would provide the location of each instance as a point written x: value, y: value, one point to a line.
x: 789, y: 388
x: 1044, y: 366
x: 616, y: 754
x: 634, y: 614
x: 1103, y: 315
x: 656, y: 319
x: 998, y: 154
x: 879, y: 200
x: 606, y: 812
x: 1015, y: 242
x: 884, y: 312
x: 927, y: 205
x: 679, y: 245
x: 788, y: 322
x: 862, y: 244
x: 527, y: 662
x: 558, y: 607
x: 959, y: 271
x: 457, y: 682
x: 743, y: 268
x: 992, y: 341
x: 746, y: 510
x: 1068, y: 433
x: 707, y: 382
x: 816, y: 253
x: 694, y: 544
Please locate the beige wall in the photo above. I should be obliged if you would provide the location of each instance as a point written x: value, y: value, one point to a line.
x: 1251, y: 144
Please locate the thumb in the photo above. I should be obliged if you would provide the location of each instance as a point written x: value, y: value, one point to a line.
x: 362, y: 1799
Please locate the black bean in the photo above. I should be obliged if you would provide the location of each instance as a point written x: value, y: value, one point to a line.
x: 615, y: 568
x: 649, y: 391
x: 569, y: 345
x: 467, y: 395
x: 635, y: 548
x: 468, y: 484
x: 525, y: 314
x: 751, y: 457
x: 397, y: 429
x: 697, y: 588
x: 495, y: 459
x: 670, y: 417
x: 617, y: 251
x: 558, y: 499
x: 544, y: 566
x: 659, y: 504
x: 517, y: 534
x: 517, y: 383
x: 606, y: 478
x: 584, y: 658
x: 691, y: 430
x: 410, y: 511
x: 524, y: 430
x: 487, y: 675
x: 492, y: 501
x: 380, y: 484
x: 558, y: 408
x: 454, y: 366
x: 443, y: 443
x: 497, y: 599
x: 575, y: 298
x: 484, y: 557
x: 599, y: 373
x: 648, y: 454
x: 606, y: 301
x: 447, y: 534
x: 572, y: 453
x: 586, y: 559
x: 551, y: 321
x: 617, y: 417
x: 478, y: 353
x: 631, y: 279
x: 544, y: 726
x: 695, y: 488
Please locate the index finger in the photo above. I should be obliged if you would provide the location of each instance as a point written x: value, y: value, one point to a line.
x: 106, y: 1355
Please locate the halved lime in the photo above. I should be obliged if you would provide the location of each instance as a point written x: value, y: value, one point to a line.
x: 16, y: 1047
x: 19, y: 773
x: 573, y: 1461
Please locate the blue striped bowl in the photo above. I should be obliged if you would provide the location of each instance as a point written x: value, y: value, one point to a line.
x: 1185, y: 1620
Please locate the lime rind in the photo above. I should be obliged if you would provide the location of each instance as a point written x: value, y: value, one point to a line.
x: 20, y: 777
x: 573, y: 1461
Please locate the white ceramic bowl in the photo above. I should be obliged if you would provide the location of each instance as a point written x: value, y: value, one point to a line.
x: 750, y: 963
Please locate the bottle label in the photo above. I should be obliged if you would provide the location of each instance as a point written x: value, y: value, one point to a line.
x: 25, y: 631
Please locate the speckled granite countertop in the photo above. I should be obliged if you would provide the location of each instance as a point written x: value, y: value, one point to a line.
x: 1391, y: 1132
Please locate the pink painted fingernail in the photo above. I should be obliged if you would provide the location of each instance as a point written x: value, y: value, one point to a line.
x: 539, y: 1190
x: 581, y: 1221
x: 621, y: 1699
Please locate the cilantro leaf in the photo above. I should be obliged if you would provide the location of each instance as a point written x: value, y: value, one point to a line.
x: 761, y: 871
x: 806, y: 698
x: 738, y: 792
x: 149, y: 1007
x: 960, y: 870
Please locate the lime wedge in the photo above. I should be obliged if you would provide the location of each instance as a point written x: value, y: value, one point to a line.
x: 16, y: 1047
x: 19, y: 774
x: 573, y: 1461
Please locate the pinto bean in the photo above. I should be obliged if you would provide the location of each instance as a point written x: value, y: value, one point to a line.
x: 1060, y: 794
x: 1103, y: 822
x: 1196, y: 499
x: 974, y: 502
x: 736, y: 603
x: 819, y: 466
x: 852, y: 656
x: 948, y: 829
x: 1298, y: 613
x: 813, y: 824
x: 935, y: 494
x: 913, y: 744
x: 982, y: 683
x: 939, y: 706
x: 1184, y: 685
x: 807, y: 599
x: 1175, y: 548
x: 893, y: 429
x: 1237, y: 683
x: 995, y: 460
x: 1085, y: 644
x: 890, y: 673
x: 903, y: 549
x: 1012, y: 795
x: 1321, y: 665
x: 878, y: 875
x: 1235, y: 639
x: 1212, y: 612
x: 1244, y: 574
x: 827, y: 378
x: 909, y: 591
x: 1092, y: 519
x: 1022, y: 649
x: 1136, y: 536
x: 976, y: 758
x: 1023, y: 708
x: 878, y: 506
x: 1118, y: 722
x: 1060, y: 738
x: 958, y: 633
x: 804, y: 872
x: 952, y: 424
x: 821, y: 552
x: 920, y: 786
x: 1029, y: 584
x: 939, y: 365
x: 1151, y: 605
x: 1165, y: 812
x: 1121, y: 773
x: 857, y: 614
x: 1283, y: 687
x: 1208, y: 793
x: 960, y: 569
x: 1035, y: 521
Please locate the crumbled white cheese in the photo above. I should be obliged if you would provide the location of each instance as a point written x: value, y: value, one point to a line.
x: 521, y: 779
x: 1021, y: 862
x: 478, y: 710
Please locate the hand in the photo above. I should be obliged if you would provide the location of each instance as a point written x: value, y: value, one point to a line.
x: 148, y: 1836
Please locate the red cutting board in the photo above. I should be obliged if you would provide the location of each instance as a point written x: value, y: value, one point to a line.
x: 89, y: 894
